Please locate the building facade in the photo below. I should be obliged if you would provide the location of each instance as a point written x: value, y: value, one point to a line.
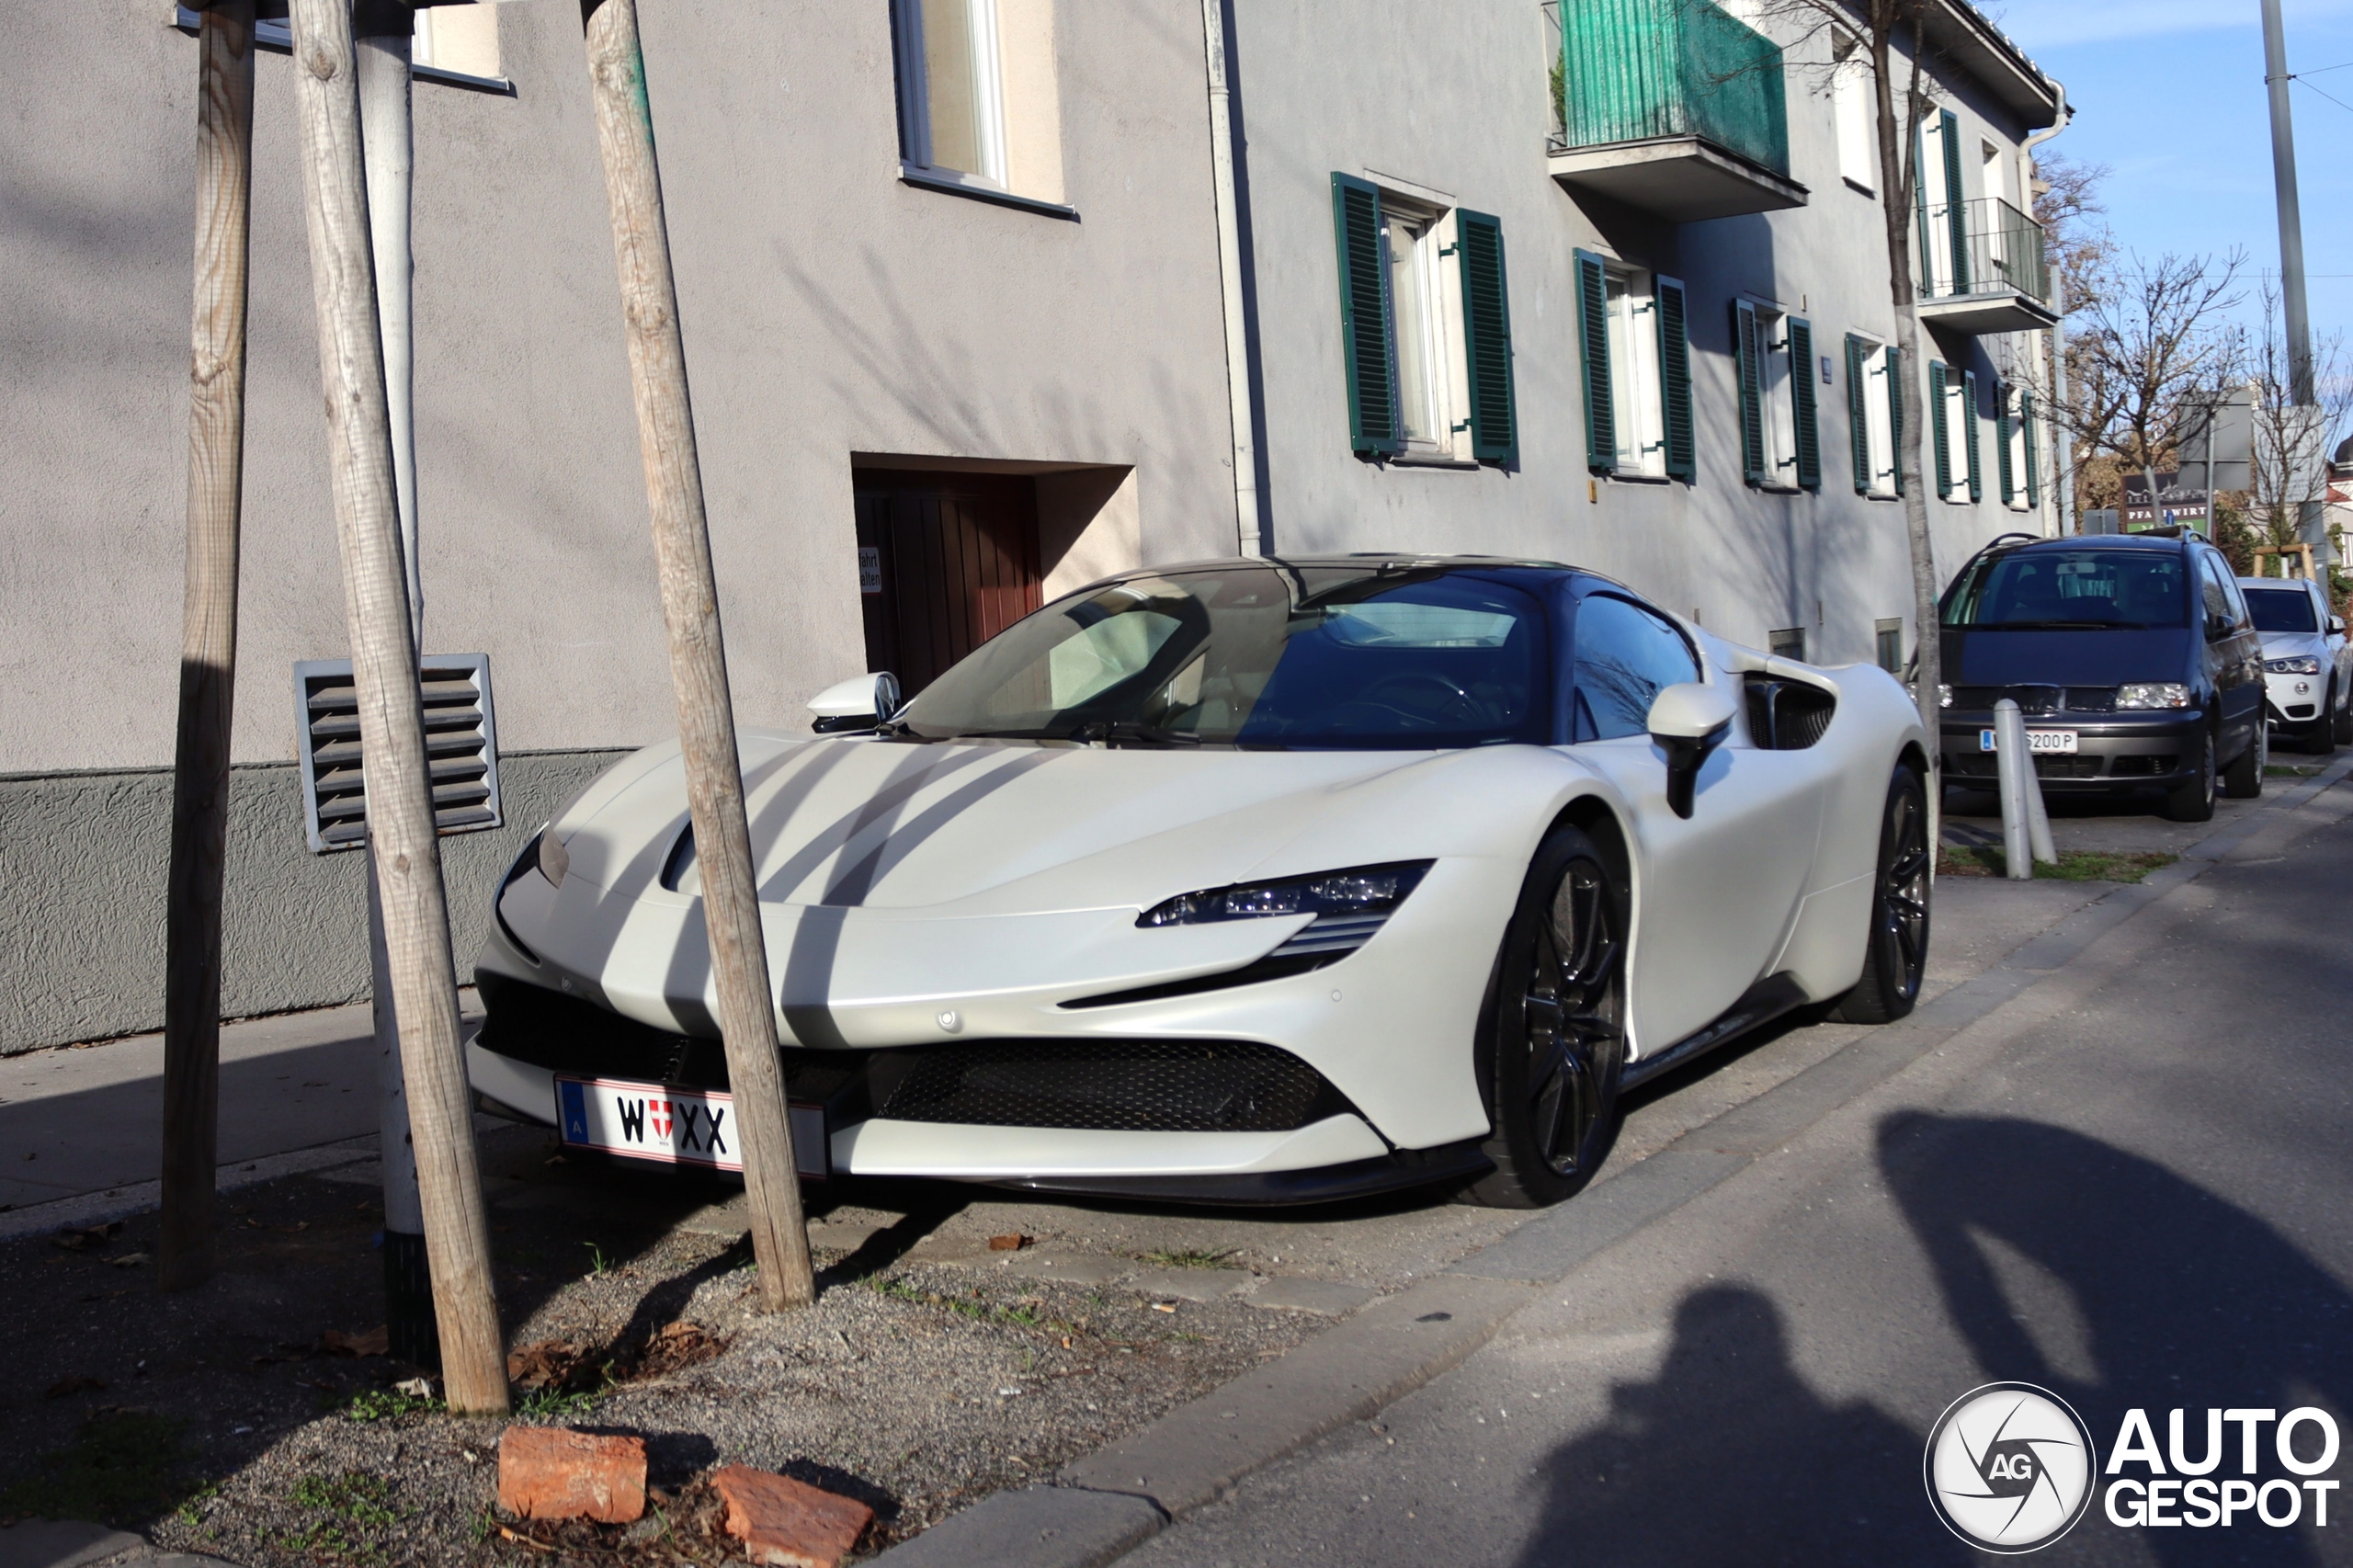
x: 950, y: 281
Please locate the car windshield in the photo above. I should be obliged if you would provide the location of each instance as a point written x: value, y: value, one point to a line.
x: 2282, y: 609
x: 2091, y: 589
x: 1275, y: 657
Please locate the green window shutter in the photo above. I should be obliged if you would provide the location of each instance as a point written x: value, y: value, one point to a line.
x: 1749, y: 353
x: 1593, y: 336
x: 1969, y: 433
x: 2033, y: 478
x: 1956, y: 210
x: 1940, y: 426
x: 1675, y: 379
x: 1802, y: 400
x: 1364, y: 317
x: 1896, y: 413
x: 2002, y: 427
x: 1487, y: 338
x: 1859, y: 425
x: 1920, y: 209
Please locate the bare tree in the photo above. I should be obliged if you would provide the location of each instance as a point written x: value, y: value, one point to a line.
x: 2291, y: 443
x: 2068, y: 205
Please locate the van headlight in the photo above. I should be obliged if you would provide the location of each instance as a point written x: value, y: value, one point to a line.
x: 2152, y: 694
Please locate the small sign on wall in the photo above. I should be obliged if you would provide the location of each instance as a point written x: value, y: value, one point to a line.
x: 870, y: 569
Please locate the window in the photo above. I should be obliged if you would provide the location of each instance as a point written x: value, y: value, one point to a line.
x: 1780, y: 439
x: 1625, y: 657
x: 1874, y: 412
x: 1426, y: 346
x: 1943, y: 215
x: 952, y: 108
x: 2021, y: 454
x: 2282, y: 609
x: 1632, y: 328
x: 458, y: 44
x: 1887, y: 639
x: 1787, y: 642
x: 2036, y: 587
x: 1856, y: 113
x: 1952, y: 413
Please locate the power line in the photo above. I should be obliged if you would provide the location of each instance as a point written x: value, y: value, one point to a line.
x: 2341, y: 103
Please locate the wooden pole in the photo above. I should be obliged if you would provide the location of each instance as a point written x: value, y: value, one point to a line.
x: 216, y: 452
x: 698, y: 659
x: 391, y: 720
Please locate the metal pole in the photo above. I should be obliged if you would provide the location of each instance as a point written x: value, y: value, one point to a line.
x: 2011, y: 764
x: 1248, y: 530
x: 2291, y: 222
x: 216, y: 455
x: 392, y: 719
x: 657, y: 360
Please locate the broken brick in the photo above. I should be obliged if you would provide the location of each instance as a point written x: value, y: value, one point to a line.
x: 551, y: 1473
x: 785, y: 1522
x: 1010, y: 1243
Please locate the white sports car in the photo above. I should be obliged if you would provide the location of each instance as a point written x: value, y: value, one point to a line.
x: 1249, y: 880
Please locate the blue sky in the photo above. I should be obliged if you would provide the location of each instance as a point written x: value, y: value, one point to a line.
x: 2170, y: 95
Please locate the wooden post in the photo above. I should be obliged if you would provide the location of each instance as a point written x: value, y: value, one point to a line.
x: 216, y: 452
x: 391, y: 720
x: 665, y: 434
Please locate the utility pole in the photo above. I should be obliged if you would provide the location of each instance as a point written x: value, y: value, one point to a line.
x: 2311, y: 514
x: 665, y: 431
x: 216, y: 456
x: 382, y: 39
x: 392, y: 721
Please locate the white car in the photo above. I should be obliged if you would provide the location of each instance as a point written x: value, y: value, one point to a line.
x: 1252, y: 881
x: 2307, y: 665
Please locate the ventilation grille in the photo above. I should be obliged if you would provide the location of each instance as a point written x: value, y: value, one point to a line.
x: 1116, y: 1085
x: 1787, y: 715
x: 460, y: 743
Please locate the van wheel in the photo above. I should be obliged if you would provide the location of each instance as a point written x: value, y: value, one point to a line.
x: 2243, y: 781
x: 2193, y: 799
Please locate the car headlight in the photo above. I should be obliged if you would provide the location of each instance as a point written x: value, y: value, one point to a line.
x: 2301, y: 665
x: 1360, y: 892
x: 1944, y: 695
x: 555, y: 861
x: 2152, y: 694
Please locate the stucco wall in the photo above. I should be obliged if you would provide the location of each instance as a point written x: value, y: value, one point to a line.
x: 82, y: 862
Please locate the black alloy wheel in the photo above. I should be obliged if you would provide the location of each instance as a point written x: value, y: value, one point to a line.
x: 1555, y: 1043
x: 2341, y: 731
x: 2192, y: 799
x: 2325, y: 735
x: 1895, y: 950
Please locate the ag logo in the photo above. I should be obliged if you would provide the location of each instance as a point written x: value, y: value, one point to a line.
x: 2010, y: 1468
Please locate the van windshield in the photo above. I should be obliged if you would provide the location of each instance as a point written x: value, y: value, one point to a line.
x: 2089, y: 589
x: 2282, y: 609
x: 1257, y: 657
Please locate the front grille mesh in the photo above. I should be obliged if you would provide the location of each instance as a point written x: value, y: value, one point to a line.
x: 2037, y: 698
x: 1115, y: 1086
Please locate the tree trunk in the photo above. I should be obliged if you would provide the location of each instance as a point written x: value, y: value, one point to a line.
x: 216, y: 452
x: 391, y: 720
x: 698, y: 658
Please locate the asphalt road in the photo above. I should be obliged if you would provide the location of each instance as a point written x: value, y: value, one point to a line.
x: 2130, y: 1187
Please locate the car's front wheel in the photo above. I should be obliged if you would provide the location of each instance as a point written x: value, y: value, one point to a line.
x: 1895, y: 953
x: 2192, y: 799
x: 1555, y: 1035
x: 2325, y: 734
x: 2343, y: 722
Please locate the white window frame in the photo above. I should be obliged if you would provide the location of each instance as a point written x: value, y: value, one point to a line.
x: 988, y: 97
x: 1773, y: 388
x: 1957, y: 414
x: 1446, y: 392
x: 1638, y: 413
x: 1879, y: 397
x: 1853, y: 114
x: 2014, y: 406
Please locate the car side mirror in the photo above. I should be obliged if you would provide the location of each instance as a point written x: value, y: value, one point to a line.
x: 1688, y: 722
x: 860, y: 702
x: 2336, y: 626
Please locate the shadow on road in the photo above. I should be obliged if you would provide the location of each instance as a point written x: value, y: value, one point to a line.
x: 2060, y: 1260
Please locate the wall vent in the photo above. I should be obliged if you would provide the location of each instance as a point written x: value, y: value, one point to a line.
x: 460, y: 742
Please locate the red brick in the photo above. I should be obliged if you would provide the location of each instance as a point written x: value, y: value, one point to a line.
x: 548, y: 1472
x: 781, y: 1521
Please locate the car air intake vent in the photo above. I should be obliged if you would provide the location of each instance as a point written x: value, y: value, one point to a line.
x: 1787, y: 715
x: 460, y: 744
x: 1976, y: 698
x: 1138, y: 1085
x: 2091, y: 699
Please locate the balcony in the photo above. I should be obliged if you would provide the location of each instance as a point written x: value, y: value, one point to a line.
x: 1672, y: 106
x: 1983, y: 269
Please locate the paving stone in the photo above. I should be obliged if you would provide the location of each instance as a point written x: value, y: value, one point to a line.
x: 62, y: 1543
x: 729, y: 1219
x: 842, y: 1238
x: 1190, y: 1284
x: 781, y: 1520
x: 1324, y: 1298
x: 1039, y: 1526
x: 1055, y: 1263
x: 550, y: 1472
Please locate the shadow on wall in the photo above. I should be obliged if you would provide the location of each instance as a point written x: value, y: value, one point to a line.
x: 83, y: 859
x: 2063, y: 1261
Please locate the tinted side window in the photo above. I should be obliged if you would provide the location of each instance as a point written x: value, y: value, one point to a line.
x: 2215, y: 591
x: 1624, y: 655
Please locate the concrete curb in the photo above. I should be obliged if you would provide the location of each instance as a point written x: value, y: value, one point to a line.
x: 122, y: 1202
x: 1200, y: 1451
x: 71, y: 1543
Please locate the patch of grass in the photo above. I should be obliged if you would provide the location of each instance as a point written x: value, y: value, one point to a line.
x: 2075, y: 865
x: 117, y: 1471
x: 357, y: 1505
x: 553, y: 1404
x: 382, y: 1405
x: 1189, y: 1257
x: 598, y: 1261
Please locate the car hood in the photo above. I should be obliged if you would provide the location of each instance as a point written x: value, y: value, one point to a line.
x: 2288, y: 645
x: 995, y: 828
x: 2064, y: 658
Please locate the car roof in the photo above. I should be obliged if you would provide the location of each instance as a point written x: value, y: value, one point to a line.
x: 2096, y: 542
x: 2301, y: 585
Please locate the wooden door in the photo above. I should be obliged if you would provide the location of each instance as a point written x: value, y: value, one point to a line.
x: 946, y: 562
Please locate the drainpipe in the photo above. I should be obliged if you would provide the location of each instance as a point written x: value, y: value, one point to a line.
x: 2062, y: 446
x: 1248, y: 538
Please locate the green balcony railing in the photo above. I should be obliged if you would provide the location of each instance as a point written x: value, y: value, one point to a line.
x: 1642, y: 70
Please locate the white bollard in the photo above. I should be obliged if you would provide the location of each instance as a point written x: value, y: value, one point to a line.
x: 2014, y: 769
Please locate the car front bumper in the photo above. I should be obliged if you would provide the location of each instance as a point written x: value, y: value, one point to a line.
x: 2114, y: 751
x: 2295, y: 701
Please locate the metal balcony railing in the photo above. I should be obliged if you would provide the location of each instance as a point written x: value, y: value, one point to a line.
x: 1643, y: 70
x: 1985, y: 246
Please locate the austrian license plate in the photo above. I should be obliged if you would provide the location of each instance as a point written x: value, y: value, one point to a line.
x: 2037, y: 740
x: 674, y: 1126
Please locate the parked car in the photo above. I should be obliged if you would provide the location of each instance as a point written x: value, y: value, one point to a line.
x: 1253, y: 881
x: 2133, y: 657
x: 2307, y: 665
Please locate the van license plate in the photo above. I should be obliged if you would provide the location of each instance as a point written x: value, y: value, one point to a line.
x: 2037, y: 740
x: 675, y: 1126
